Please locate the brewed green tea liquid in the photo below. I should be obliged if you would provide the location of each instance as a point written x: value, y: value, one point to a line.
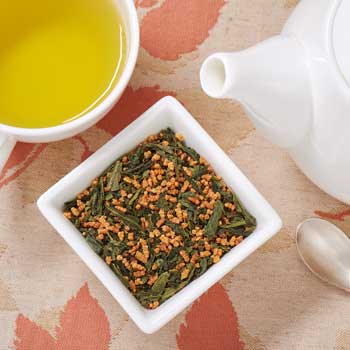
x: 58, y: 59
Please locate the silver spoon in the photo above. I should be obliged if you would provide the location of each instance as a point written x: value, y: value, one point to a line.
x: 325, y: 250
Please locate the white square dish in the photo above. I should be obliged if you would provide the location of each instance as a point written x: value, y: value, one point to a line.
x: 168, y: 112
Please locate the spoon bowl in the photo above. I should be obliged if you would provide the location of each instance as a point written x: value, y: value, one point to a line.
x: 325, y: 250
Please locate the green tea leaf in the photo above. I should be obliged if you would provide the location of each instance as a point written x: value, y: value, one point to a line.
x: 193, y: 183
x: 146, y: 297
x: 204, y: 266
x: 178, y: 229
x: 116, y: 270
x: 187, y: 204
x: 241, y: 209
x: 140, y: 168
x: 101, y: 197
x: 114, y: 181
x: 93, y: 201
x: 135, y: 197
x: 127, y: 219
x: 198, y: 171
x: 192, y: 269
x: 234, y: 224
x: 190, y: 151
x: 109, y: 196
x: 160, y: 284
x: 94, y: 244
x: 213, y: 223
x: 69, y: 205
x: 168, y: 293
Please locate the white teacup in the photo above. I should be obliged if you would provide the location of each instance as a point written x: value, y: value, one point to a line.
x: 9, y: 135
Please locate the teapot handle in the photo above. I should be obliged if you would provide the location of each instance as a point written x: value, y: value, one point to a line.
x: 7, y: 143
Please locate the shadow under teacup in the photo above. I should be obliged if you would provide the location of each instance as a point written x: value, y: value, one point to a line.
x: 9, y: 135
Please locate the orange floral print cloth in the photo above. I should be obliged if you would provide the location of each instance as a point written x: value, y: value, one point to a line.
x: 49, y: 300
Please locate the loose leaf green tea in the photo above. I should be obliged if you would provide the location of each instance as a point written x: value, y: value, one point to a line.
x: 160, y: 217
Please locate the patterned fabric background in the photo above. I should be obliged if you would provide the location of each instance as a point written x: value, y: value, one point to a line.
x: 48, y: 297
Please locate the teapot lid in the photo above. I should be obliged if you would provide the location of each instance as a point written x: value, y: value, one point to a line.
x: 341, y: 39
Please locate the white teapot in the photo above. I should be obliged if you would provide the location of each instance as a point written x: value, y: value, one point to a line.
x: 295, y: 87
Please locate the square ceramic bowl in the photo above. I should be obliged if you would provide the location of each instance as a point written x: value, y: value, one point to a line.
x: 168, y: 112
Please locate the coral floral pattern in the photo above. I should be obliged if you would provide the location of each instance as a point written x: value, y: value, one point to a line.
x: 49, y: 300
x: 178, y: 26
x: 218, y: 328
x: 131, y: 105
x: 21, y: 157
x: 340, y: 216
x: 83, y: 325
x: 145, y: 3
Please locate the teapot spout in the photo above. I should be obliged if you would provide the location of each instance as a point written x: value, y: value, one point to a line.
x: 271, y: 80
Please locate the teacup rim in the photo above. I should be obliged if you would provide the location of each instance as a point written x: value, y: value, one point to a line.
x: 107, y: 104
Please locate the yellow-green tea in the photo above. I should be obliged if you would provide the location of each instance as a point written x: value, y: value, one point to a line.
x: 58, y: 59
